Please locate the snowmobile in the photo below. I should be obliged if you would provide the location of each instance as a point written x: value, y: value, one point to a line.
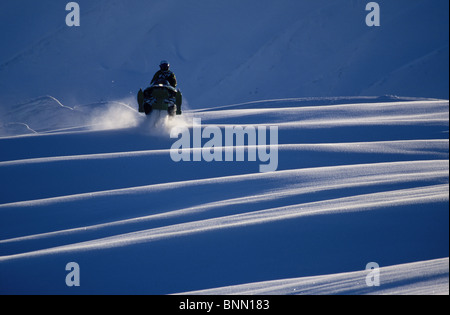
x: 160, y: 96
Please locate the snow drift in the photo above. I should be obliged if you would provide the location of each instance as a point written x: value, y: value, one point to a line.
x: 361, y: 179
x: 357, y: 183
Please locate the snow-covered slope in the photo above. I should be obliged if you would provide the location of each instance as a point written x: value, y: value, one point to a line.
x: 362, y: 171
x: 359, y: 180
x: 223, y: 52
x: 425, y: 278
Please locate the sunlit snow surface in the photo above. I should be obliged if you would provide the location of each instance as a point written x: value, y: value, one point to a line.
x: 362, y: 166
x: 358, y: 181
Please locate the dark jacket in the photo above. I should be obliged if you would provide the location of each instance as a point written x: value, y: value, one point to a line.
x: 165, y: 75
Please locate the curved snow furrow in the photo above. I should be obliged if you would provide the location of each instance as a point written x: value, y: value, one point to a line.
x: 312, y: 177
x: 286, y: 189
x: 336, y: 122
x: 406, y: 147
x: 357, y: 203
x: 315, y: 102
x: 235, y: 205
x: 101, y: 172
x: 337, y: 115
x: 339, y: 183
x: 424, y: 277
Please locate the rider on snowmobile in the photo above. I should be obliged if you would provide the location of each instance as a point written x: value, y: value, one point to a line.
x: 162, y: 93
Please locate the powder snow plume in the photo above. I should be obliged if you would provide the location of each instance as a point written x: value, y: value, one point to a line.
x: 114, y: 115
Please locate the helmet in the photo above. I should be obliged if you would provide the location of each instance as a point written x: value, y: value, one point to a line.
x: 164, y: 65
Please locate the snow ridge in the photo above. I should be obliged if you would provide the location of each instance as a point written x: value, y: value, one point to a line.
x: 358, y: 182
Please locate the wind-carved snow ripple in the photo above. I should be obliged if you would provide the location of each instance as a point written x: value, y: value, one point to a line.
x: 400, y: 161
